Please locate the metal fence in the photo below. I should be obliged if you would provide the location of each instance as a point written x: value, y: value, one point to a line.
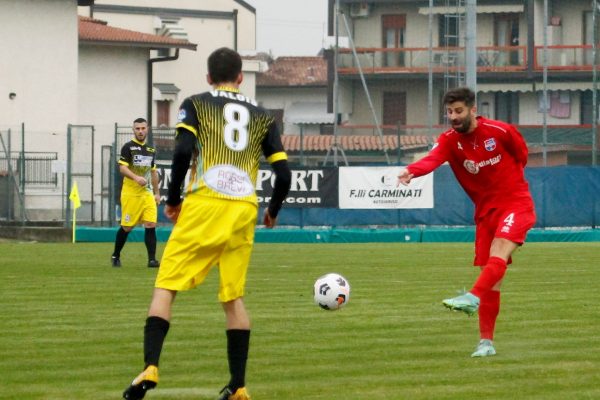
x: 20, y: 170
x: 80, y: 169
x: 25, y: 174
x: 31, y: 168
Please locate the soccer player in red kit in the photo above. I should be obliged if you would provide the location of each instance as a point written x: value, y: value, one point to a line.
x: 488, y: 159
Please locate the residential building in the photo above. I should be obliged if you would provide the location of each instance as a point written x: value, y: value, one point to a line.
x: 209, y: 23
x: 294, y: 89
x: 62, y: 70
x: 390, y: 49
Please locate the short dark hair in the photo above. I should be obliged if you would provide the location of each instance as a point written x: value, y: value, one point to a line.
x: 224, y: 65
x: 464, y: 94
x: 139, y: 120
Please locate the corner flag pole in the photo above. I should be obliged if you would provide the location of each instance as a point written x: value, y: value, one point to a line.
x: 74, y: 223
x: 74, y: 197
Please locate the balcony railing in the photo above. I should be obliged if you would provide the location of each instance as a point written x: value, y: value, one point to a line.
x: 489, y: 59
x: 444, y: 59
x: 566, y: 57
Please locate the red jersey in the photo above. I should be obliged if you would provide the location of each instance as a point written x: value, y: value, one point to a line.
x: 488, y: 163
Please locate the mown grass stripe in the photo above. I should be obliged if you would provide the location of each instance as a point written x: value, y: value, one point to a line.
x: 73, y: 325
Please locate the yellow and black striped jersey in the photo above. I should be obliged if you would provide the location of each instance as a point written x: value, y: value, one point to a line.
x: 232, y: 132
x: 139, y: 158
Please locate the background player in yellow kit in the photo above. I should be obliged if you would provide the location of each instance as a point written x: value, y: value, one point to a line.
x: 139, y: 193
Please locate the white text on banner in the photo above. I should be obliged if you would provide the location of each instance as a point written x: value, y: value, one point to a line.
x: 375, y: 187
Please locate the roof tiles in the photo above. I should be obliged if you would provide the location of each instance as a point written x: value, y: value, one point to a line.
x: 93, y: 30
x: 294, y: 71
x: 292, y: 143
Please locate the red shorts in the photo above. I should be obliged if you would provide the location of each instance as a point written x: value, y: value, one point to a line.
x: 507, y: 223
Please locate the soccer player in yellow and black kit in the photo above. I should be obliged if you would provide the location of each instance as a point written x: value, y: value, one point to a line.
x: 223, y: 133
x: 139, y: 194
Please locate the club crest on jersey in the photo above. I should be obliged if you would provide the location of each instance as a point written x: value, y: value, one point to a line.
x: 490, y: 144
x: 181, y: 115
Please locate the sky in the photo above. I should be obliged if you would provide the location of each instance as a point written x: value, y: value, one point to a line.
x: 290, y: 27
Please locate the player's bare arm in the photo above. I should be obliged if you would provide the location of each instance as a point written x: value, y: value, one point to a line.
x: 155, y: 186
x: 404, y: 177
x: 172, y: 212
x: 268, y: 220
x: 283, y: 180
x: 125, y: 171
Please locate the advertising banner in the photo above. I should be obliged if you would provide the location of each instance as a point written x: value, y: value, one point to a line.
x: 311, y: 187
x: 375, y: 188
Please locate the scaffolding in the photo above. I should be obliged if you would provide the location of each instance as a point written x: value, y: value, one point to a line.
x: 454, y: 39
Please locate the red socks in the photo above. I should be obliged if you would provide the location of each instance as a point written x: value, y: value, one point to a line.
x: 489, y: 305
x: 491, y: 274
x: 488, y: 312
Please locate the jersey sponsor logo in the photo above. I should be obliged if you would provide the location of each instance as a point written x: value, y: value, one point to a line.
x: 142, y: 161
x: 473, y: 166
x: 135, y: 148
x: 491, y: 161
x: 228, y: 180
x: 490, y: 144
x: 389, y: 180
x: 181, y: 115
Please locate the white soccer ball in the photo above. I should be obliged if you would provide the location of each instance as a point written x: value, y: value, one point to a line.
x: 331, y: 291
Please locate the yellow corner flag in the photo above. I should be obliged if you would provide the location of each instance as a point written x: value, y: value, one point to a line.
x: 74, y: 197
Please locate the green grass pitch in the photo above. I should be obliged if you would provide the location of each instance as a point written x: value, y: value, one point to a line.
x: 72, y: 325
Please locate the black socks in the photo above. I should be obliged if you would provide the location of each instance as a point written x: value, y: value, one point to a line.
x: 155, y: 332
x: 120, y: 241
x: 150, y: 240
x: 238, y: 341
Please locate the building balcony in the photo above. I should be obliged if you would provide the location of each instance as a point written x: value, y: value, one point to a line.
x: 566, y: 58
x: 491, y: 59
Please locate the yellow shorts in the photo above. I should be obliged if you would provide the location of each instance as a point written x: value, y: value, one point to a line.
x: 209, y: 232
x: 136, y: 209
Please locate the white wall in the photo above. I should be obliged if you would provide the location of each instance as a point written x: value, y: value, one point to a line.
x: 283, y: 98
x: 112, y: 88
x: 39, y: 64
